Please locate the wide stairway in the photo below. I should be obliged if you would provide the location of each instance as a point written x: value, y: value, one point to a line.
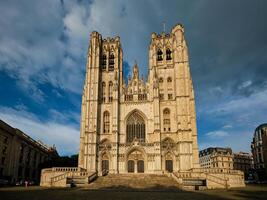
x: 134, y: 181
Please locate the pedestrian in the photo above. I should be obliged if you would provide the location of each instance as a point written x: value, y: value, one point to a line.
x: 26, y: 183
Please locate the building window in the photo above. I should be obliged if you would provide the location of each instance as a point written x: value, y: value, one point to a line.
x: 161, y: 96
x: 21, y: 154
x: 4, y: 151
x: 168, y: 54
x: 159, y: 55
x: 111, y: 62
x: 103, y: 92
x: 104, y: 62
x: 106, y: 122
x: 110, y: 98
x: 135, y: 128
x: 5, y: 139
x: 169, y: 79
x: 166, y: 120
x: 161, y: 82
x: 169, y: 96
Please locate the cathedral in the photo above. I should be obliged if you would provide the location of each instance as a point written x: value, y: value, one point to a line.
x: 144, y: 126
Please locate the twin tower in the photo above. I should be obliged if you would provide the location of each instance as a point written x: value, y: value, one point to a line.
x: 143, y: 126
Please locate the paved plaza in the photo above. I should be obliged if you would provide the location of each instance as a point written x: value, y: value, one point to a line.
x: 38, y: 193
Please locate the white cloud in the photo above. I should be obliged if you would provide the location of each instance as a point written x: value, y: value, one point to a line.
x: 227, y: 126
x: 245, y: 84
x: 237, y: 140
x: 65, y: 137
x: 217, y: 134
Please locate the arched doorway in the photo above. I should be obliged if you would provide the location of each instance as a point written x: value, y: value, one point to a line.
x: 169, y: 165
x: 136, y: 163
x: 168, y: 162
x: 105, y: 162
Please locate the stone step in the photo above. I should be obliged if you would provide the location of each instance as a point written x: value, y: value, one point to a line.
x: 133, y: 181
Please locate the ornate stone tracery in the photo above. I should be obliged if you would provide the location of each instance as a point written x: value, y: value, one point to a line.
x: 135, y: 128
x: 139, y: 113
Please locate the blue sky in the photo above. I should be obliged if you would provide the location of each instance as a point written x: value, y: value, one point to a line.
x: 43, y: 46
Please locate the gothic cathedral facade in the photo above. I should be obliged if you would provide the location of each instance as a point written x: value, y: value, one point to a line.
x: 142, y: 126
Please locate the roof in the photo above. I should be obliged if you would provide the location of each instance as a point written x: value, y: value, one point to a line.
x: 23, y: 136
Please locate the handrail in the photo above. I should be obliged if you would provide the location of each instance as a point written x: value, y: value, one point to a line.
x: 215, y: 170
x: 104, y: 172
x: 217, y: 180
x: 59, y: 177
x: 72, y: 174
x: 92, y: 177
x: 64, y: 169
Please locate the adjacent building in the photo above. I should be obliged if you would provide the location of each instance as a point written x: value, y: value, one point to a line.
x: 20, y: 155
x: 259, y: 151
x: 243, y: 161
x: 216, y: 157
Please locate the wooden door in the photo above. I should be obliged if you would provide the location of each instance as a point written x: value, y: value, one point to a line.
x: 140, y: 166
x: 105, y: 165
x: 169, y: 165
x: 130, y: 166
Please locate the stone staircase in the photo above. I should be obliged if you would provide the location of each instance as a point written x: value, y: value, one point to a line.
x: 134, y: 182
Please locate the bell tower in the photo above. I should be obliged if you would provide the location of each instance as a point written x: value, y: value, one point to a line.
x: 100, y: 100
x: 173, y: 92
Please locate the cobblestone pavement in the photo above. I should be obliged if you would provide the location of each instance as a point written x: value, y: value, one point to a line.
x: 36, y: 193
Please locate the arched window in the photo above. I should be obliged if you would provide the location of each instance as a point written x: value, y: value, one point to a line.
x: 106, y: 123
x: 104, y: 62
x: 169, y: 79
x: 160, y: 55
x: 111, y: 62
x: 103, y: 92
x: 168, y: 54
x: 160, y: 82
x: 135, y: 128
x: 110, y: 98
x: 166, y: 120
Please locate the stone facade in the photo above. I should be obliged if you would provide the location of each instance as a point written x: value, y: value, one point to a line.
x: 20, y: 155
x: 216, y: 157
x: 143, y: 126
x: 243, y: 161
x: 259, y: 151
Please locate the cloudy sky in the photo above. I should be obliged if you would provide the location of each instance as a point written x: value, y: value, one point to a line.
x: 43, y: 46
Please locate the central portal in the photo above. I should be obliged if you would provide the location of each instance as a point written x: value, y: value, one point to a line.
x: 135, y: 163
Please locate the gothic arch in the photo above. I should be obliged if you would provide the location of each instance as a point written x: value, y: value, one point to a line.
x: 135, y: 148
x: 136, y: 154
x: 135, y: 127
x: 133, y: 111
x: 106, y: 122
x: 166, y: 116
x: 168, y: 156
x: 105, y: 141
x: 167, y: 139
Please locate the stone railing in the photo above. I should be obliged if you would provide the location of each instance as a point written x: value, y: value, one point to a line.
x: 57, y: 176
x: 104, y: 172
x: 65, y: 169
x: 70, y: 174
x: 218, y: 180
x: 92, y: 177
x: 60, y: 177
x: 216, y: 171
